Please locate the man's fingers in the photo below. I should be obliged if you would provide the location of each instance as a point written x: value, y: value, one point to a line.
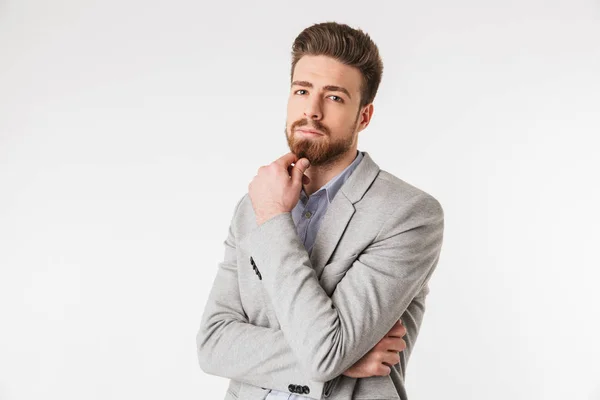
x: 397, y: 333
x: 305, y: 178
x: 398, y: 330
x: 287, y: 159
x: 391, y: 358
x: 383, y: 370
x: 392, y: 344
x: 298, y: 171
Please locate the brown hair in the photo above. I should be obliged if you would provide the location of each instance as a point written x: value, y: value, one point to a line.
x: 349, y: 46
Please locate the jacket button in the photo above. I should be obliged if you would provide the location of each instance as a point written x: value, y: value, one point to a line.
x: 252, y: 261
x: 259, y: 275
x: 305, y: 390
x: 292, y: 388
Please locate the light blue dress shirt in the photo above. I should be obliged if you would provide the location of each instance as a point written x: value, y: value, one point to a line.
x: 307, y: 216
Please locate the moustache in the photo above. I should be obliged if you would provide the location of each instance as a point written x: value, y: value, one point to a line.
x: 317, y: 126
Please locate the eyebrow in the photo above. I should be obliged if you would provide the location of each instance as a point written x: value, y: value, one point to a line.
x: 330, y: 88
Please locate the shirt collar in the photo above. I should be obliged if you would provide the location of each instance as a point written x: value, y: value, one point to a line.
x: 334, y: 184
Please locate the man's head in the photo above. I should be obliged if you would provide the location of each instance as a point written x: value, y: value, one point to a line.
x: 336, y: 71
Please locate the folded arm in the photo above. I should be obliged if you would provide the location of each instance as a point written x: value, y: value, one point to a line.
x: 328, y: 335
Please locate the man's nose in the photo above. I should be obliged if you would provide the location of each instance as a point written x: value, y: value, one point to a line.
x: 313, y: 110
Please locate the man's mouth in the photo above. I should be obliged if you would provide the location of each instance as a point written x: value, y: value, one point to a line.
x: 310, y: 132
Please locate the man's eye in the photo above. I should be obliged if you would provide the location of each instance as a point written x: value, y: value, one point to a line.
x: 339, y: 99
x: 300, y: 90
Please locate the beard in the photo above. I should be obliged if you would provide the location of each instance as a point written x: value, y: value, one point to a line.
x: 319, y: 150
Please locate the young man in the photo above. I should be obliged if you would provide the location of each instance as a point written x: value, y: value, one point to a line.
x: 323, y: 258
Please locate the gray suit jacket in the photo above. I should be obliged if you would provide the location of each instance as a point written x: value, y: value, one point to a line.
x: 276, y: 318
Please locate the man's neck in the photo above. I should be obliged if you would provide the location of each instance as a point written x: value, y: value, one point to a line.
x: 320, y: 175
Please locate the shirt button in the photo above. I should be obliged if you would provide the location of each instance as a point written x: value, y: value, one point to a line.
x: 308, y: 214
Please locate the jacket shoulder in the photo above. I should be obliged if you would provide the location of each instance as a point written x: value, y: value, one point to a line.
x: 394, y: 193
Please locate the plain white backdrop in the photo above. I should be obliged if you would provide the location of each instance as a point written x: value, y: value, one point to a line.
x: 129, y: 129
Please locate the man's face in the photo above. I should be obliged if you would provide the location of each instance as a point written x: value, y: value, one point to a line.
x: 324, y: 97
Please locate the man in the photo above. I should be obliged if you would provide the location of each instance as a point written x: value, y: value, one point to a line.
x: 326, y: 253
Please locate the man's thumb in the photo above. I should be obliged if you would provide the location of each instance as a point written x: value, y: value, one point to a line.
x: 298, y: 171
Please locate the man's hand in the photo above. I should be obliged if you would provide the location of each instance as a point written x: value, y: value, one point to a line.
x: 379, y: 360
x: 276, y: 187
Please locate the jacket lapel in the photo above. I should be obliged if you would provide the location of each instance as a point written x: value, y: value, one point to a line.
x: 340, y: 212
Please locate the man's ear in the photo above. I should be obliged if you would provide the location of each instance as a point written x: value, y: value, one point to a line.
x: 365, y: 115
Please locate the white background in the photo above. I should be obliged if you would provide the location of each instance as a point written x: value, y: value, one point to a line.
x: 129, y: 129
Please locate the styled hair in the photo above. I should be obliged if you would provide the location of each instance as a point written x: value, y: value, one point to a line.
x: 347, y: 45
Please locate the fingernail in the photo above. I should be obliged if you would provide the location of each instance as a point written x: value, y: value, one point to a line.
x: 305, y: 162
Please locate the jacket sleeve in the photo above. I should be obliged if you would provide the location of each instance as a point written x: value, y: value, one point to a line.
x: 328, y: 335
x: 229, y: 346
